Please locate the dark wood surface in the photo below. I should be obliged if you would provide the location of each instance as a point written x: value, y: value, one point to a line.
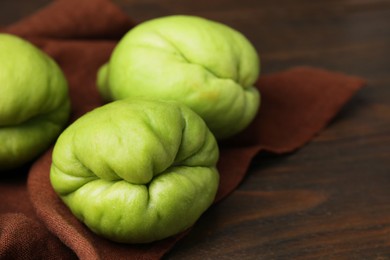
x: 330, y: 199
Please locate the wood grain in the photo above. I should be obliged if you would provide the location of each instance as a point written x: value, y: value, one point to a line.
x: 330, y: 199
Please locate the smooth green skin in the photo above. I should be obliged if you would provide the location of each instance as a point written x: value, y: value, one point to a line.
x: 34, y: 101
x: 204, y: 64
x: 136, y: 171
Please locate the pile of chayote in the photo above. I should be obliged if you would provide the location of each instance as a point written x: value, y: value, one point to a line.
x: 143, y: 167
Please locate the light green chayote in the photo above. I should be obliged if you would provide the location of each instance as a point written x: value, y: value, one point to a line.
x: 136, y: 171
x: 34, y: 101
x: 206, y: 65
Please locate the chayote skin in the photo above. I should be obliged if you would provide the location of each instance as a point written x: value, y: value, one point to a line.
x: 34, y: 101
x: 136, y: 171
x: 206, y: 65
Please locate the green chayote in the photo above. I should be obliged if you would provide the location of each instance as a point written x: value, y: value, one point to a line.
x: 34, y: 101
x: 206, y: 65
x: 136, y: 171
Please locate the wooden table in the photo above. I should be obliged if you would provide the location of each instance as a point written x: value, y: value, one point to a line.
x: 330, y: 199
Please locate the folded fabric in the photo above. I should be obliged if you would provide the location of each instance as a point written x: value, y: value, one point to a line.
x: 80, y: 35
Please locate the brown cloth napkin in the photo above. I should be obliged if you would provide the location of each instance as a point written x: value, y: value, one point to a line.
x: 80, y: 35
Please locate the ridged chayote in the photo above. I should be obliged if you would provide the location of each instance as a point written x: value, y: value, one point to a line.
x: 136, y: 171
x: 204, y: 64
x: 34, y: 101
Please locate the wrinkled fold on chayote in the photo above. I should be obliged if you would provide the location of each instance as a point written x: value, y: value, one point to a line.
x: 34, y: 101
x: 136, y: 171
x: 206, y: 65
